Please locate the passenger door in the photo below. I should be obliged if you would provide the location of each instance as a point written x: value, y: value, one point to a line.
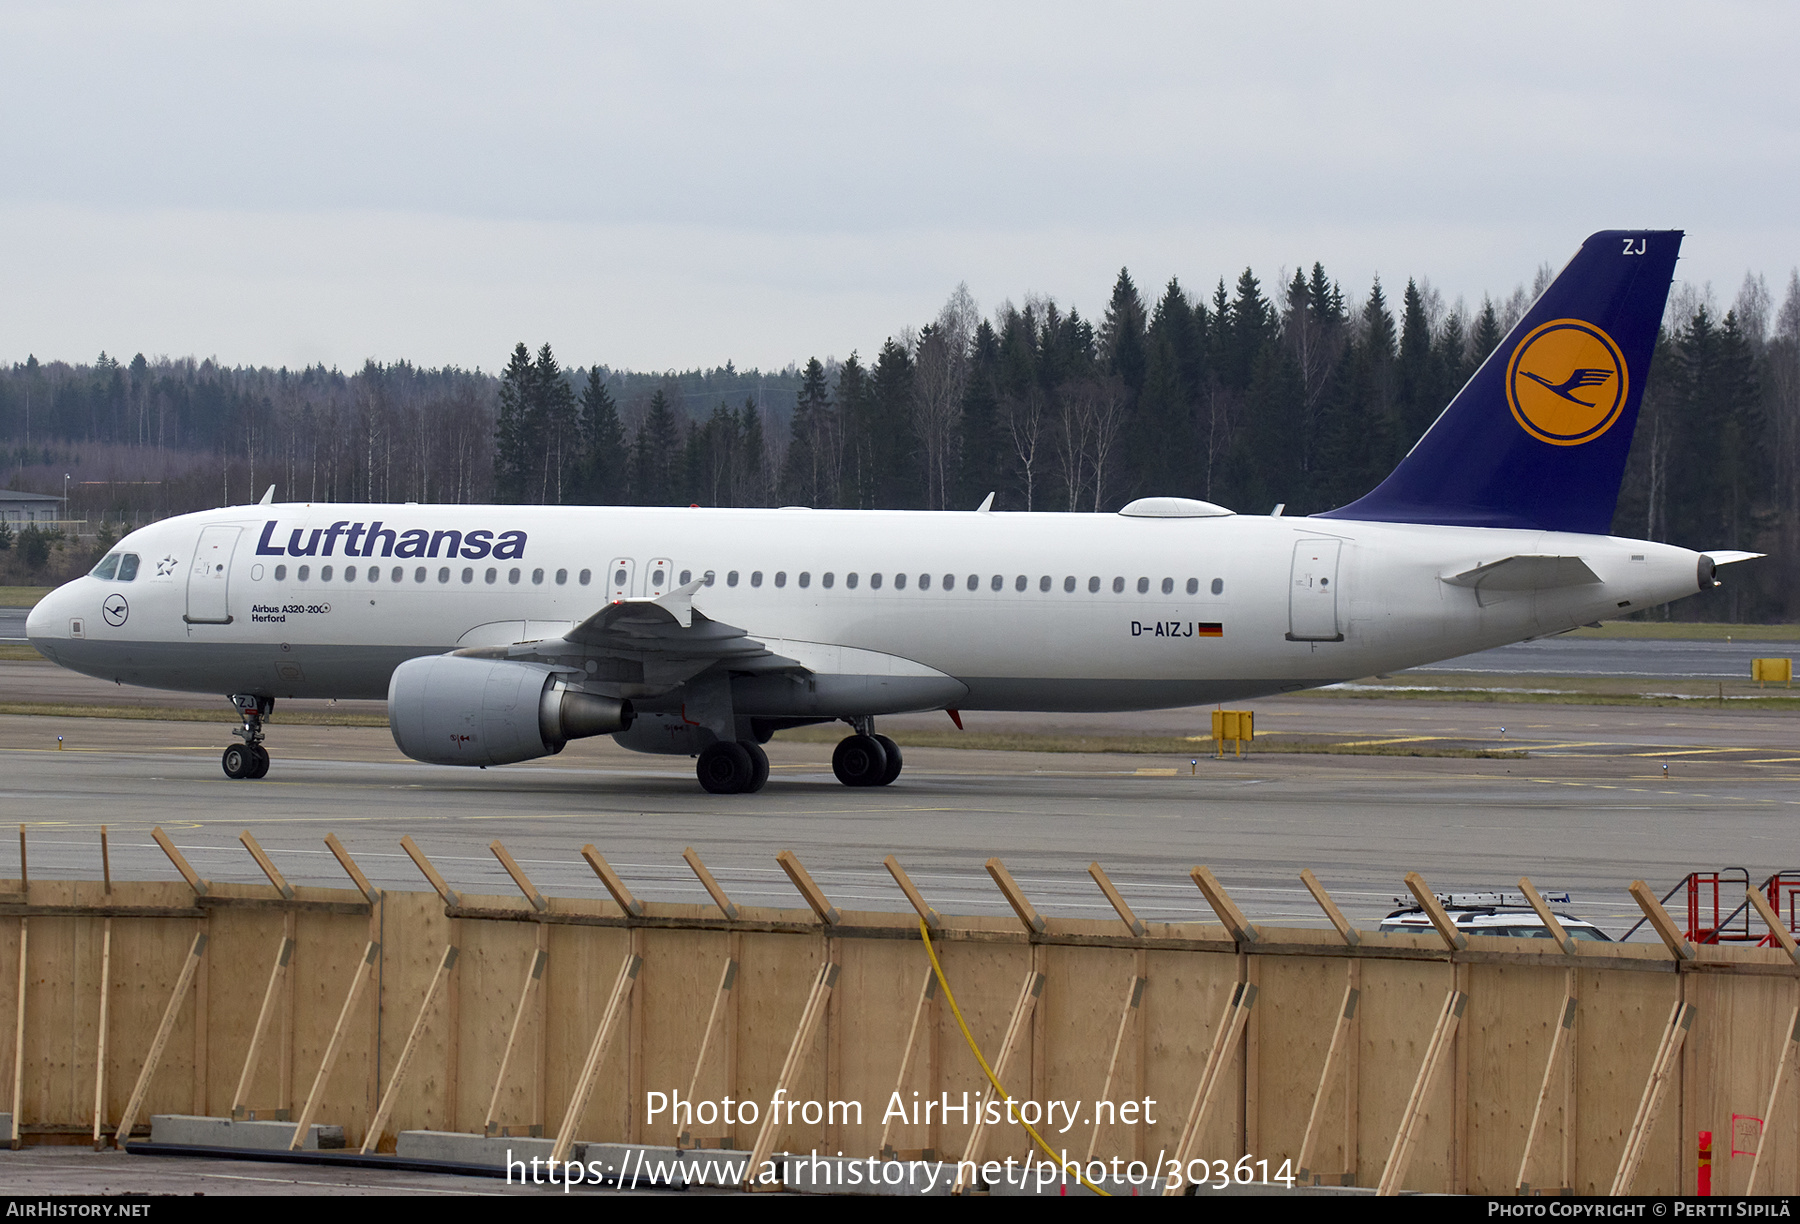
x: 1313, y: 592
x: 209, y: 577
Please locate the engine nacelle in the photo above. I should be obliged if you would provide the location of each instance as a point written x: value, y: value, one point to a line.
x: 452, y: 710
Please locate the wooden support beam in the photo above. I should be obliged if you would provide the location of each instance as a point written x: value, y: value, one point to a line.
x: 614, y: 885
x: 1407, y: 1136
x: 1241, y: 928
x: 158, y: 1043
x: 18, y: 1076
x: 386, y: 1108
x: 1454, y: 939
x: 199, y: 885
x: 927, y: 990
x: 721, y: 1004
x: 239, y: 1098
x: 1113, y: 896
x: 913, y: 896
x: 24, y: 870
x: 1790, y: 1053
x: 451, y: 897
x: 1015, y: 897
x: 1350, y: 934
x: 1225, y: 1039
x: 100, y: 1051
x: 810, y: 1016
x: 1777, y: 927
x: 105, y: 862
x: 368, y: 890
x: 610, y: 1022
x: 333, y: 1047
x: 1557, y: 931
x: 268, y: 867
x: 711, y: 885
x: 1559, y: 1044
x: 533, y: 975
x: 1134, y: 995
x: 1340, y: 1033
x: 1659, y: 918
x: 519, y: 877
x: 1662, y: 1070
x: 1030, y: 991
x: 802, y: 880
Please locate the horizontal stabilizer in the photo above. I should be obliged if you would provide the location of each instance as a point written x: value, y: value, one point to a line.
x: 1730, y: 556
x: 1526, y: 573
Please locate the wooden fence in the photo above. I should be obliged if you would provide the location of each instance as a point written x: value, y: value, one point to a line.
x: 1436, y: 1061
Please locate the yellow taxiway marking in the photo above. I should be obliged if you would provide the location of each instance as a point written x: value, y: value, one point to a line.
x: 1154, y: 773
x: 1691, y: 751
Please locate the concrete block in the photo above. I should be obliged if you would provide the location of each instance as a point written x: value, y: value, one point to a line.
x: 192, y: 1129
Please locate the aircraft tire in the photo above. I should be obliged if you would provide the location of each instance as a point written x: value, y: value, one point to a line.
x: 238, y: 762
x: 859, y: 760
x: 893, y: 759
x: 759, y: 765
x: 724, y: 768
x: 261, y: 767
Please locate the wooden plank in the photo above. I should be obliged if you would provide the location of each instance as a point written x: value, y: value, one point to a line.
x: 614, y: 885
x: 1340, y: 1037
x: 105, y: 863
x: 1782, y: 1066
x: 1406, y: 1137
x: 1558, y: 1044
x: 1015, y: 897
x: 1557, y: 932
x: 358, y: 981
x: 451, y: 897
x: 534, y: 975
x: 18, y: 1077
x: 386, y: 1108
x: 1350, y: 934
x: 1134, y: 995
x: 1225, y: 1040
x: 1029, y: 992
x: 810, y: 1016
x: 913, y: 896
x: 160, y: 1041
x: 720, y: 1007
x: 1662, y: 1067
x: 590, y: 1071
x: 100, y: 1052
x: 803, y: 881
x: 1440, y: 921
x: 1241, y: 928
x: 711, y: 885
x: 268, y: 866
x: 200, y: 886
x: 368, y: 890
x: 927, y: 991
x: 240, y: 1096
x: 1777, y: 927
x: 1116, y: 900
x: 1659, y: 918
x: 519, y: 877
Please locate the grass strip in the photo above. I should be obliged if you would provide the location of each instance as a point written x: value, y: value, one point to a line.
x: 292, y: 718
x: 1137, y: 745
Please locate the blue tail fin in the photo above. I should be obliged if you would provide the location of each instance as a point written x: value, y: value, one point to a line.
x: 1538, y: 437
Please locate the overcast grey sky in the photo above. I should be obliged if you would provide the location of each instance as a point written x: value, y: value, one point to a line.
x: 671, y: 186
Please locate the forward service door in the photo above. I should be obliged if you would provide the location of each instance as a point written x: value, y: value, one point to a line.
x: 209, y: 577
x: 1313, y: 592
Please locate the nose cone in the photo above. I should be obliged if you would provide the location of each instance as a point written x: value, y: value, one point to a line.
x: 47, y: 624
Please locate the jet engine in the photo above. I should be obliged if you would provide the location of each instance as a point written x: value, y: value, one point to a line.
x: 452, y: 710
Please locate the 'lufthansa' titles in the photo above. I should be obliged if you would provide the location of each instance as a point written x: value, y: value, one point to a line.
x: 376, y: 540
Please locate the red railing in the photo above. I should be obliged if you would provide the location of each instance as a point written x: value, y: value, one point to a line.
x: 1710, y: 892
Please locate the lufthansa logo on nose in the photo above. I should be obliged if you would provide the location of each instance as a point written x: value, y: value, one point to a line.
x: 115, y: 610
x: 1566, y: 382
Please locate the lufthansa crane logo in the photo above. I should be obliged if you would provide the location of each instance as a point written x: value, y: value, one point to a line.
x: 1566, y: 382
x: 115, y: 610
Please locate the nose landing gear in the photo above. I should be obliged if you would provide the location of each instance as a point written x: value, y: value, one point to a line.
x: 250, y: 759
x: 866, y: 759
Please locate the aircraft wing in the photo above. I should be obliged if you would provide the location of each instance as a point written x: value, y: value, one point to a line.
x: 1526, y: 572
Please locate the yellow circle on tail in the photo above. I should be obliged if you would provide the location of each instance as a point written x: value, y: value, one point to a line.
x: 1566, y: 382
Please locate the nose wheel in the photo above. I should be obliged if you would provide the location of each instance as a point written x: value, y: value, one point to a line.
x: 248, y: 760
x: 866, y: 759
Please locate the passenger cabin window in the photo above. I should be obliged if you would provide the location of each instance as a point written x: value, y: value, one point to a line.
x: 418, y: 575
x: 537, y: 577
x: 491, y: 575
x: 711, y: 577
x: 325, y: 573
x: 303, y: 572
x: 1020, y: 583
x: 687, y: 576
x: 850, y: 582
x: 996, y: 582
x: 755, y: 578
x: 1044, y: 583
x: 874, y: 581
x: 780, y: 578
x: 444, y: 574
x: 826, y: 579
x: 1094, y: 585
x: 349, y: 573
x: 731, y: 579
x: 1143, y: 586
x: 974, y: 582
x: 1168, y: 586
x: 586, y: 577
x: 468, y: 575
x: 512, y: 576
x: 562, y: 577
x: 1118, y: 586
x: 281, y: 573
x: 1069, y: 584
x: 924, y: 582
x: 1218, y: 586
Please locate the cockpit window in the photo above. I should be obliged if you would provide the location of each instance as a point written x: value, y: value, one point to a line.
x: 128, y: 567
x: 107, y: 567
x: 117, y: 567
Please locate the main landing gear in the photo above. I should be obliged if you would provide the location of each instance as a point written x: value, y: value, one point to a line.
x: 248, y: 759
x: 728, y: 768
x: 866, y: 759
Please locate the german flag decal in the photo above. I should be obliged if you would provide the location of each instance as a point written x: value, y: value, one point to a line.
x: 1210, y: 629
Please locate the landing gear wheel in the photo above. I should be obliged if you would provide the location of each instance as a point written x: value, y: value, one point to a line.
x: 893, y: 759
x: 759, y: 765
x: 725, y: 768
x: 238, y: 762
x: 859, y: 760
x: 261, y: 767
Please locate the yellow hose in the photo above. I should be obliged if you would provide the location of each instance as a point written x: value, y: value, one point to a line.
x: 943, y: 985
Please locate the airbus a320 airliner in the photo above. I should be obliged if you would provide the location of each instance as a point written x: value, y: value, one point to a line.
x: 499, y: 633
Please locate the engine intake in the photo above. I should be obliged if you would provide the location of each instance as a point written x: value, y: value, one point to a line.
x: 453, y: 710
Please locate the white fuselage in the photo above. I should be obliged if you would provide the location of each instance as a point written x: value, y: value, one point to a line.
x: 1276, y: 604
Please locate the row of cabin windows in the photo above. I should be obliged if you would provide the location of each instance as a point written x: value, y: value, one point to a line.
x: 997, y: 582
x: 372, y: 573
